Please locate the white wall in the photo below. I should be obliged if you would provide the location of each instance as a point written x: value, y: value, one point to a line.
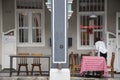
x: 8, y: 11
x: 113, y: 7
x: 0, y: 30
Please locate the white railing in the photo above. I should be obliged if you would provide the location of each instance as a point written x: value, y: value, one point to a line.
x: 111, y: 47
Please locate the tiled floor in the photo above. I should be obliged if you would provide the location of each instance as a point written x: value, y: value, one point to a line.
x: 47, y: 78
x: 117, y: 77
x: 5, y: 76
x: 24, y: 78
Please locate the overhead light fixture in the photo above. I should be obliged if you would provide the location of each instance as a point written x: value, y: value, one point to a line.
x: 93, y: 15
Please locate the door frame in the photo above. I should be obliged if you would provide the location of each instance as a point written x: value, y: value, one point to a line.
x: 117, y: 47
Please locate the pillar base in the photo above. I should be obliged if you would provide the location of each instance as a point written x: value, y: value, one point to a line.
x: 63, y: 74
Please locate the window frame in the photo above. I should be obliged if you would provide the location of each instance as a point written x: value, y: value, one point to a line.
x: 30, y: 42
x: 103, y: 13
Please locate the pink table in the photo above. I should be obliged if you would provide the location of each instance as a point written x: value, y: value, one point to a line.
x: 93, y: 63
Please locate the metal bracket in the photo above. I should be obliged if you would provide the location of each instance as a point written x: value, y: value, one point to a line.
x: 59, y: 65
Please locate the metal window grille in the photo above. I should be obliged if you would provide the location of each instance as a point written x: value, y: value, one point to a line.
x: 90, y: 28
x: 91, y: 5
x: 29, y: 4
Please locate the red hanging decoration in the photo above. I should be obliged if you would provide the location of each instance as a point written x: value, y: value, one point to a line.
x: 89, y: 30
